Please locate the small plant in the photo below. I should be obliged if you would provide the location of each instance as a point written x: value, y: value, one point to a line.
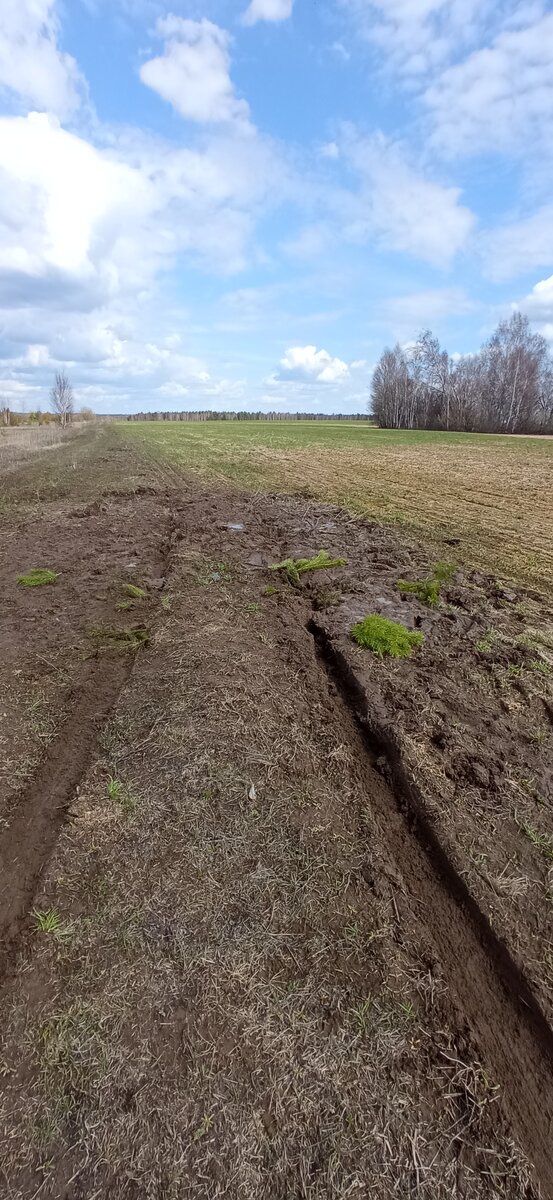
x: 386, y: 637
x: 214, y: 572
x: 123, y: 605
x: 537, y: 735
x: 296, y: 567
x: 542, y: 667
x: 106, y: 637
x: 270, y: 590
x: 48, y: 921
x: 444, y: 572
x: 166, y: 603
x: 487, y: 643
x: 325, y: 600
x: 134, y: 592
x: 361, y: 1016
x: 204, y: 1127
x: 38, y: 577
x: 120, y: 795
x: 542, y: 841
x: 426, y: 590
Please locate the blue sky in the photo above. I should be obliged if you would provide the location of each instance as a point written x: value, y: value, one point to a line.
x: 233, y: 205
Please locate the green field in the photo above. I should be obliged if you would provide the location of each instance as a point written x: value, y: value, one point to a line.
x: 493, y: 493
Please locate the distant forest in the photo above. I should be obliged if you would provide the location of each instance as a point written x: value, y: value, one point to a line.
x: 506, y: 388
x: 212, y: 415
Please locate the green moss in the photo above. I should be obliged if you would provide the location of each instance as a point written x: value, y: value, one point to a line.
x: 38, y: 577
x: 386, y: 637
x: 296, y: 567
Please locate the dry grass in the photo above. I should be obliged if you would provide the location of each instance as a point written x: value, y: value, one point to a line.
x: 19, y: 444
x: 235, y: 1011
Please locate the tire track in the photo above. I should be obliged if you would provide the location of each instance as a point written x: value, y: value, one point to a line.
x: 490, y: 993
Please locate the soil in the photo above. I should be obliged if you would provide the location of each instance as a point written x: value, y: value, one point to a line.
x: 308, y: 951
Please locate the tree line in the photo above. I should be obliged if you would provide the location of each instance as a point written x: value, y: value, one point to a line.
x: 507, y: 387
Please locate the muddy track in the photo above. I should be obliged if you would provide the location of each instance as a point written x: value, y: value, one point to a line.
x: 493, y: 1000
x: 42, y: 807
x: 27, y: 844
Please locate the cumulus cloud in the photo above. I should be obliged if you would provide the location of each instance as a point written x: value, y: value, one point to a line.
x: 31, y: 65
x: 267, y: 10
x: 306, y: 364
x: 401, y: 208
x: 500, y: 96
x: 538, y: 305
x: 193, y: 73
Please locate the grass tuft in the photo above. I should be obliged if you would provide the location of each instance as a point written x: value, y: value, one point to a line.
x: 38, y: 577
x: 386, y: 637
x: 49, y: 921
x: 294, y: 568
x: 134, y: 592
x: 427, y: 591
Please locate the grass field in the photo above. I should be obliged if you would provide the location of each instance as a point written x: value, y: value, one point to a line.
x: 493, y: 493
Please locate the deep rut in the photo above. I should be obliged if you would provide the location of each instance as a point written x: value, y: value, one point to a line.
x: 27, y: 844
x: 492, y: 1000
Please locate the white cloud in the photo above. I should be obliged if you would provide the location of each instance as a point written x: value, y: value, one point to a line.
x: 267, y: 10
x: 538, y: 305
x: 401, y: 208
x: 499, y: 97
x: 31, y: 65
x: 307, y: 364
x: 518, y: 247
x: 193, y: 73
x: 415, y: 37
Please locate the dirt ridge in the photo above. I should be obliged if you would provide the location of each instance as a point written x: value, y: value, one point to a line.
x: 494, y: 998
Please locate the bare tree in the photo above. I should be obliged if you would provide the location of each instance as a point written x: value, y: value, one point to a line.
x: 61, y: 398
x: 506, y: 388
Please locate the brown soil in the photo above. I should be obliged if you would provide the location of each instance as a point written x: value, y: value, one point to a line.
x: 304, y: 949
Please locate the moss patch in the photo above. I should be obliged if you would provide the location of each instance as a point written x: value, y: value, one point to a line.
x: 38, y: 577
x: 386, y: 637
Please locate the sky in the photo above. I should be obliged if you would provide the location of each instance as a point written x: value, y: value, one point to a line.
x: 228, y: 204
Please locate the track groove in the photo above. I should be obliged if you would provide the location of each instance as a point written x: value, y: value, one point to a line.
x: 492, y: 996
x: 27, y: 844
